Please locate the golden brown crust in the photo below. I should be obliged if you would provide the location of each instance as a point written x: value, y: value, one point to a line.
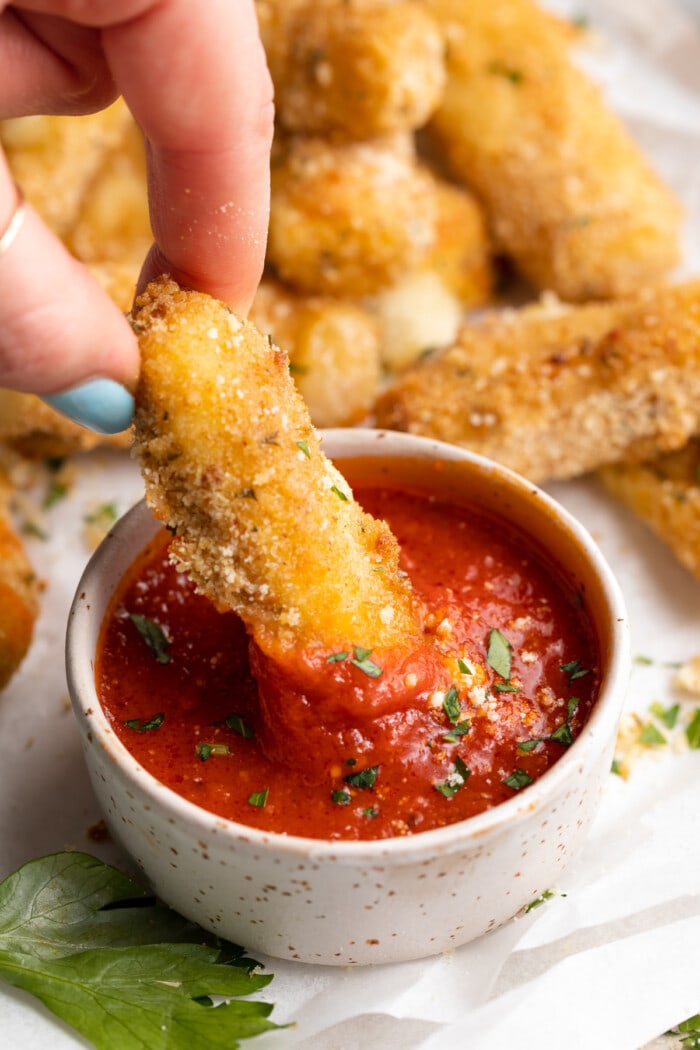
x: 665, y: 494
x: 358, y: 68
x: 553, y: 392
x: 568, y: 193
x: 263, y: 522
x: 333, y: 348
x: 19, y: 594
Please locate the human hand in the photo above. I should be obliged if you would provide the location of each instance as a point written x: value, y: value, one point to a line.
x: 196, y: 81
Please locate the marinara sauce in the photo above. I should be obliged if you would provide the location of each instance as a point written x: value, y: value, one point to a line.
x: 175, y: 677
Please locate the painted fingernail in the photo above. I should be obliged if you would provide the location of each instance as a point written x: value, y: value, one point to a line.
x: 100, y: 404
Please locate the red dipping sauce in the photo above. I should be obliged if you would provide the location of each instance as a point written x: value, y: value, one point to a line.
x: 174, y: 677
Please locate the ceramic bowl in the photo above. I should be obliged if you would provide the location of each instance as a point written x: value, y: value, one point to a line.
x: 342, y: 903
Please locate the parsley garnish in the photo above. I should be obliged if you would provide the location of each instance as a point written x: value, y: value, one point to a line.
x: 122, y: 969
x: 341, y: 797
x: 104, y: 515
x: 693, y: 731
x: 538, y: 901
x: 529, y: 745
x: 236, y: 723
x: 650, y: 736
x: 574, y: 669
x: 456, y: 780
x: 259, y: 798
x: 57, y: 491
x: 518, y: 779
x: 370, y: 812
x: 30, y: 528
x: 457, y: 731
x: 303, y: 445
x: 499, y: 654
x: 362, y: 661
x: 451, y: 705
x: 204, y: 751
x: 616, y: 767
x: 668, y: 716
x: 153, y: 636
x: 337, y: 658
x: 464, y: 667
x: 339, y: 493
x: 364, y: 778
x: 140, y: 725
x: 506, y: 687
x: 563, y: 735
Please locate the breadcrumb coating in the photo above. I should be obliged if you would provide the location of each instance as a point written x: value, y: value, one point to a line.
x: 665, y: 494
x: 570, y: 197
x: 262, y: 521
x: 554, y: 391
x: 19, y: 594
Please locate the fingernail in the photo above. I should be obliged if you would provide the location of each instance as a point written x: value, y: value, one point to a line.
x: 100, y: 404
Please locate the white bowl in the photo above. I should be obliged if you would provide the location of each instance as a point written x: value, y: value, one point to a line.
x: 381, y: 901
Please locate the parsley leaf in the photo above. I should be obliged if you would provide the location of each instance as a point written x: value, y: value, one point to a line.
x: 121, y: 969
x: 153, y: 636
x: 145, y: 725
x: 364, y: 778
x: 693, y: 731
x: 518, y: 779
x: 574, y: 669
x: 259, y: 798
x: 204, y: 751
x: 451, y: 705
x: 498, y: 655
x: 362, y: 661
x: 235, y: 722
x: 455, y: 780
x: 457, y: 731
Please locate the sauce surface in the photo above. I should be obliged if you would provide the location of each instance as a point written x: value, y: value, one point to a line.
x: 175, y: 678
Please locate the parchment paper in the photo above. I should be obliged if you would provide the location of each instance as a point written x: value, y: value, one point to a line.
x: 612, y: 960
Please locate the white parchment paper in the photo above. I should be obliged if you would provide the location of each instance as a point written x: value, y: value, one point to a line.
x: 612, y: 960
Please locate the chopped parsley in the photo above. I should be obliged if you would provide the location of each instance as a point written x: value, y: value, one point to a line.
x: 574, y: 670
x: 457, y: 731
x: 303, y: 445
x: 336, y: 658
x: 363, y: 778
x: 370, y: 812
x: 103, y: 516
x: 339, y: 493
x: 451, y: 705
x: 361, y: 660
x: 57, y: 491
x: 693, y: 731
x: 529, y: 745
x: 236, y: 723
x: 518, y: 779
x: 141, y: 725
x: 456, y: 780
x: 153, y: 636
x: 506, y: 687
x: 538, y: 901
x: 616, y: 767
x: 205, y: 751
x: 668, y: 715
x: 651, y: 736
x: 499, y: 653
x: 30, y: 528
x: 464, y: 667
x: 563, y: 735
x: 341, y: 797
x: 259, y: 798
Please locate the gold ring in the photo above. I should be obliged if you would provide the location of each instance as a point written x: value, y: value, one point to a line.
x: 13, y: 227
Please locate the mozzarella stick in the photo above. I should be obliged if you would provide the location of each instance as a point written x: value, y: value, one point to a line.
x: 333, y: 348
x: 349, y: 218
x: 19, y: 594
x: 569, y: 195
x: 553, y: 391
x: 665, y: 494
x: 261, y: 520
x: 358, y: 69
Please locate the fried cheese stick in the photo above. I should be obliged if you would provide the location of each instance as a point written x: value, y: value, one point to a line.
x: 262, y: 521
x: 333, y: 347
x: 359, y: 68
x: 556, y: 391
x: 665, y: 494
x: 569, y: 195
x: 19, y: 594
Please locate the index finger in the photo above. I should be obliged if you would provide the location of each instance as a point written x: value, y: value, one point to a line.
x: 196, y: 80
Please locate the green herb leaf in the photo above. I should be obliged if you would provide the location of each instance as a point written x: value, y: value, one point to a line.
x: 363, y: 663
x: 616, y: 767
x: 153, y: 636
x: 259, y: 798
x: 104, y: 515
x: 303, y: 445
x: 571, y: 705
x: 651, y: 736
x: 646, y: 661
x: 364, y: 778
x: 451, y: 705
x: 505, y: 687
x: 30, y: 528
x: 339, y: 493
x: 529, y: 745
x: 518, y: 779
x: 563, y: 735
x: 140, y: 725
x: 57, y: 491
x: 668, y: 715
x: 236, y: 723
x: 574, y: 670
x: 337, y: 658
x: 499, y: 654
x: 341, y: 797
x: 457, y: 731
x: 538, y: 901
x: 370, y: 812
x: 123, y: 970
x: 693, y: 731
x: 464, y: 667
x: 456, y: 780
x: 205, y: 751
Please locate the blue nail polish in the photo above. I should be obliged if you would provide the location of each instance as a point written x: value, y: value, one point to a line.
x: 100, y: 404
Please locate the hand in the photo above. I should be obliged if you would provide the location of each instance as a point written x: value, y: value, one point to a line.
x: 195, y: 79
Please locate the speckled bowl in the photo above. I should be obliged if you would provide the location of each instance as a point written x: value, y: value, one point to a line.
x: 343, y: 903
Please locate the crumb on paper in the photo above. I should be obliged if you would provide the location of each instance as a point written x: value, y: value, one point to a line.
x: 688, y: 676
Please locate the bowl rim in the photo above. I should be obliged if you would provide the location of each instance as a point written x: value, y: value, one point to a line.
x: 96, y: 731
